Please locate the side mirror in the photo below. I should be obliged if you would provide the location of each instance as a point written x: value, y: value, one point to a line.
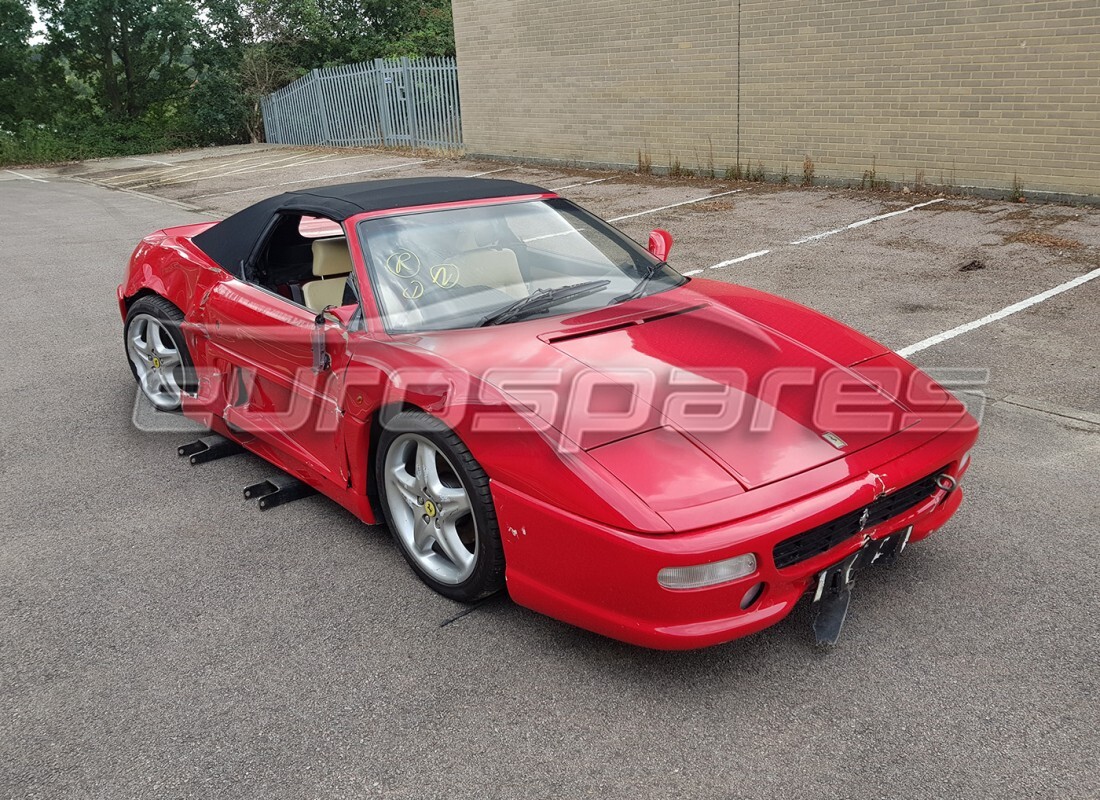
x: 660, y: 243
x: 343, y: 315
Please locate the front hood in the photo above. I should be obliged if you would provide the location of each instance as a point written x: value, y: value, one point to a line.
x: 759, y: 403
x: 708, y: 362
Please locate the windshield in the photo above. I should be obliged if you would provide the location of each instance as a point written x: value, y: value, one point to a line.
x: 464, y: 267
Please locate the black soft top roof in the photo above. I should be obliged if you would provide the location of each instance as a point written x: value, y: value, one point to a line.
x: 230, y: 242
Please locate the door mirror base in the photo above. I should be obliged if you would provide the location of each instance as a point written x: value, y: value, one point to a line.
x: 322, y: 362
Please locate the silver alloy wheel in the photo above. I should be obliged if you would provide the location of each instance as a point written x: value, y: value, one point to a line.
x: 431, y: 511
x: 156, y: 358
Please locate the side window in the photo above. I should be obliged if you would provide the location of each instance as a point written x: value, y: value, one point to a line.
x: 285, y: 258
x: 305, y: 260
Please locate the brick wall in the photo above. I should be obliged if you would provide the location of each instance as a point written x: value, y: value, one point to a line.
x: 969, y: 92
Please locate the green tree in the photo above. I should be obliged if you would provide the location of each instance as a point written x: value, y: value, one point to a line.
x: 318, y: 33
x: 136, y: 57
x: 423, y: 28
x: 119, y: 77
x: 236, y: 68
x: 249, y: 49
x: 16, y: 69
x: 262, y: 70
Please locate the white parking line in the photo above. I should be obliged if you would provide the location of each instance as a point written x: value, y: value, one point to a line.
x: 259, y: 157
x: 266, y: 168
x: 939, y: 338
x: 757, y: 254
x: 255, y: 161
x: 490, y: 172
x: 134, y: 174
x: 674, y: 205
x: 156, y: 169
x: 863, y: 222
x: 149, y: 161
x: 135, y: 193
x: 250, y: 169
x: 164, y: 180
x: 26, y: 177
x: 582, y: 183
x: 739, y: 259
x: 312, y: 180
x: 158, y: 175
x: 329, y: 158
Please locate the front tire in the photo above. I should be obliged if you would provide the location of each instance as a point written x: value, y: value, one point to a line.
x: 436, y: 501
x: 157, y: 352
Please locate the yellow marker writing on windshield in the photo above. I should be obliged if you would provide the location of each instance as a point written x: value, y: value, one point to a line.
x: 444, y: 275
x: 403, y: 264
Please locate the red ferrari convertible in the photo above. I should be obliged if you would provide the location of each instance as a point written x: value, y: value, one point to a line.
x: 529, y: 399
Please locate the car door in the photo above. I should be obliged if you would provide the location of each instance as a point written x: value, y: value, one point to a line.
x: 262, y: 346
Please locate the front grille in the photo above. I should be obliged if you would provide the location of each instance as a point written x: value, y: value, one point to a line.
x: 818, y: 540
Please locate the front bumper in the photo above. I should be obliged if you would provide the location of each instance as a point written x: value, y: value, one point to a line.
x: 605, y: 580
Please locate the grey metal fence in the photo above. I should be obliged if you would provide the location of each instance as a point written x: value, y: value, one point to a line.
x: 410, y: 102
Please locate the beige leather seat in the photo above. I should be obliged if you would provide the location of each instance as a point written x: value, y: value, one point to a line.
x: 331, y: 266
x: 485, y: 266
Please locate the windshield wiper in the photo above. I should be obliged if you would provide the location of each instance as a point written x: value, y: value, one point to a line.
x: 540, y: 300
x: 639, y: 287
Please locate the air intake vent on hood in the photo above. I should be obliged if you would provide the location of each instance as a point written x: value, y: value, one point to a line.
x: 617, y: 325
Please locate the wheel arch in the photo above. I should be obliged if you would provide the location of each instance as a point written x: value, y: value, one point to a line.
x: 129, y: 300
x: 563, y: 478
x: 373, y: 431
x: 170, y: 323
x: 162, y: 266
x: 453, y: 576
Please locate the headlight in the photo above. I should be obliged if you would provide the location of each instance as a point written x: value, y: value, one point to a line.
x: 699, y: 575
x: 667, y: 470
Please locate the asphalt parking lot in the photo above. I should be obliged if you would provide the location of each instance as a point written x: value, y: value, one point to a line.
x: 160, y: 637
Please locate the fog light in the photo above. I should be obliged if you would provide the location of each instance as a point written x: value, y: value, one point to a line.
x: 707, y: 574
x: 964, y: 462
